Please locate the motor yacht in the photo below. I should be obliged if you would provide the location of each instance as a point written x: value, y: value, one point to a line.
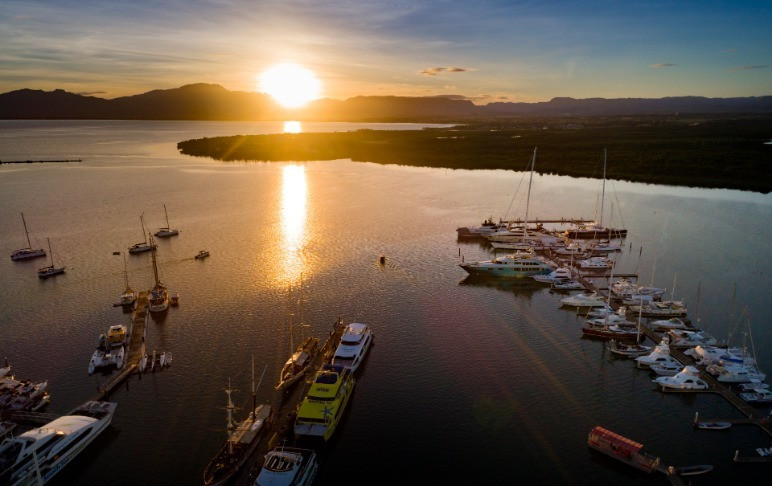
x: 590, y: 299
x: 670, y: 308
x: 558, y: 275
x: 735, y: 373
x: 684, y: 338
x: 757, y: 395
x: 353, y: 346
x: 686, y: 379
x: 288, y: 466
x: 521, y: 264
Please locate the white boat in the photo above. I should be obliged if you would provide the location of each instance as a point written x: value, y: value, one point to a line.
x: 129, y: 296
x: 572, y: 248
x: 288, y: 466
x: 585, y: 299
x: 666, y: 368
x: 353, y: 347
x: 34, y: 457
x: 708, y: 355
x: 50, y: 270
x: 686, y: 379
x: 514, y: 265
x: 660, y: 354
x: 757, y: 395
x: 559, y: 275
x: 166, y: 231
x: 27, y: 252
x: 111, y: 349
x: 487, y: 227
x: 684, y: 338
x: 755, y: 383
x: 672, y: 323
x: 142, y: 246
x: 603, y: 246
x: 158, y: 300
x: 595, y: 263
x: 709, y: 425
x: 735, y: 373
x: 670, y: 308
x: 568, y: 285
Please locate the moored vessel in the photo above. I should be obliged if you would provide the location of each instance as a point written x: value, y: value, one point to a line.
x: 288, y: 466
x: 326, y: 400
x: 27, y: 252
x: 353, y: 346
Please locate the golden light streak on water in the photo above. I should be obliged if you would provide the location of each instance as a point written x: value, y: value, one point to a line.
x: 292, y: 127
x: 293, y: 222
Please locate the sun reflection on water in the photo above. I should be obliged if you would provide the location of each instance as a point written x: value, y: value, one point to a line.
x: 293, y: 221
x: 292, y: 127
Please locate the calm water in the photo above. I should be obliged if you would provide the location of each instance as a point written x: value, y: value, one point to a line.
x: 469, y: 382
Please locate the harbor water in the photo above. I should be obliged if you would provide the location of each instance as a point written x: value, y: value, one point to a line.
x: 469, y: 381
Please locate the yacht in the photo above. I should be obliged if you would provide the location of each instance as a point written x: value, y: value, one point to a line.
x: 604, y: 246
x: 559, y: 275
x: 34, y: 457
x: 606, y: 331
x: 129, y: 296
x: 297, y: 364
x: 736, y: 373
x: 687, y: 379
x: 27, y: 252
x: 684, y: 338
x: 50, y: 270
x: 668, y: 324
x: 757, y: 395
x: 708, y: 355
x: 520, y: 264
x: 595, y: 263
x: 670, y: 308
x: 353, y: 347
x: 590, y: 299
x: 628, y: 350
x: 323, y: 406
x: 487, y: 227
x: 660, y: 354
x: 288, y: 466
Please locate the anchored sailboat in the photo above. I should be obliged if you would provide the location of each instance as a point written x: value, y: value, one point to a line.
x: 158, y: 300
x: 128, y: 297
x: 143, y: 246
x: 166, y: 231
x: 50, y: 270
x: 28, y: 252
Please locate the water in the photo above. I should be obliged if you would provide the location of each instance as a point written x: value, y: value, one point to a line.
x: 468, y: 382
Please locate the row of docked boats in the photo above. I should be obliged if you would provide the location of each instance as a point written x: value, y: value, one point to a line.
x: 20, y: 395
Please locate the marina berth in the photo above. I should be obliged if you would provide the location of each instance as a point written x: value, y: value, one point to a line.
x: 34, y: 457
x: 686, y: 379
x: 288, y: 466
x: 323, y: 406
x: 515, y: 265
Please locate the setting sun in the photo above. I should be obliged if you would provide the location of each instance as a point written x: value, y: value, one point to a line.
x: 290, y: 85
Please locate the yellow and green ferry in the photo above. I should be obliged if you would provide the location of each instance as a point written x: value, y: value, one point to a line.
x: 322, y: 408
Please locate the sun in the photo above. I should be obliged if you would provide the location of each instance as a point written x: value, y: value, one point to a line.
x: 292, y: 86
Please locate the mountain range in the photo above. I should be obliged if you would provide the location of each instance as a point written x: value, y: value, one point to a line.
x: 213, y: 102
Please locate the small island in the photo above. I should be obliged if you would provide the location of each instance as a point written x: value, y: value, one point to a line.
x: 728, y: 152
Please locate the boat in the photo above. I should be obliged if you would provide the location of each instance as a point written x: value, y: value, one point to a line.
x: 568, y: 285
x: 487, y: 227
x: 667, y: 324
x: 690, y: 470
x: 27, y: 252
x: 595, y: 263
x: 628, y: 350
x: 606, y: 331
x: 585, y: 299
x: 50, y: 270
x: 622, y: 449
x: 514, y: 265
x: 128, y: 297
x: 158, y: 300
x: 735, y: 373
x: 660, y: 354
x: 603, y: 246
x: 353, y: 346
x: 243, y: 439
x: 709, y: 425
x: 142, y: 246
x: 201, y: 255
x: 757, y: 395
x: 708, y: 355
x: 559, y: 275
x: 288, y: 466
x: 174, y: 299
x: 670, y: 308
x: 666, y: 368
x: 323, y: 406
x: 684, y: 338
x: 301, y: 358
x: 753, y: 384
x: 35, y: 456
x: 686, y: 379
x: 166, y: 231
x: 111, y: 349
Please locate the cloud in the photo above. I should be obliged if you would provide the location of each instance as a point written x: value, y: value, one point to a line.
x: 746, y: 68
x: 663, y: 65
x: 436, y: 70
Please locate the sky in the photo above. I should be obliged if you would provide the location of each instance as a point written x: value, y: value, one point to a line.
x: 482, y: 50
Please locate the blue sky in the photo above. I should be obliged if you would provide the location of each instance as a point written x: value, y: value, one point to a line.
x: 482, y: 50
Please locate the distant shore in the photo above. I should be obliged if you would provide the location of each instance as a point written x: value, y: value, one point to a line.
x: 698, y: 151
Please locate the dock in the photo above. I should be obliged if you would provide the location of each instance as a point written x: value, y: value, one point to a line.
x: 38, y: 161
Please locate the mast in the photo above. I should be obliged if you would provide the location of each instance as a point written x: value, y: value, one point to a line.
x: 142, y: 225
x: 155, y: 265
x: 528, y: 197
x: 230, y: 408
x: 125, y: 272
x: 254, y: 396
x: 603, y: 193
x: 50, y: 252
x: 672, y: 291
x: 167, y: 217
x: 26, y: 232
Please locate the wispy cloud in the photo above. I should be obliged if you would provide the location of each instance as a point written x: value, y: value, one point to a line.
x: 663, y: 65
x: 746, y: 68
x: 434, y: 71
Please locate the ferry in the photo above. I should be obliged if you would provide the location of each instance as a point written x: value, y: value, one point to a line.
x: 622, y: 448
x: 322, y: 408
x: 353, y: 346
x: 34, y: 457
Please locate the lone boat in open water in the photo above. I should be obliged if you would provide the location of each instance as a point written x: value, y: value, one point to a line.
x: 50, y: 270
x: 28, y: 251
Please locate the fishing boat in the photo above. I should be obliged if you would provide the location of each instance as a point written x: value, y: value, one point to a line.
x: 129, y: 296
x: 158, y: 300
x: 288, y: 466
x: 166, y: 231
x: 353, y: 346
x: 243, y: 439
x: 326, y: 400
x: 50, y: 270
x: 34, y: 457
x: 622, y: 449
x: 142, y: 246
x: 27, y: 252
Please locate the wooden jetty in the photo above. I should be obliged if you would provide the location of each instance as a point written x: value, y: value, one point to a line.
x: 134, y: 353
x: 285, y: 405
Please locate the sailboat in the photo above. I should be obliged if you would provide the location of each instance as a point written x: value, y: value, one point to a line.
x: 630, y: 350
x: 143, y: 246
x: 166, y: 231
x: 596, y: 229
x: 158, y: 301
x: 243, y: 438
x: 128, y: 297
x: 50, y: 270
x: 28, y: 252
x: 301, y: 358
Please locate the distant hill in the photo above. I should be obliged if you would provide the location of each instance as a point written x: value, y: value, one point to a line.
x: 213, y: 102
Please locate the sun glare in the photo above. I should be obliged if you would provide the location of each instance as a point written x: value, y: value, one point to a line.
x: 290, y: 85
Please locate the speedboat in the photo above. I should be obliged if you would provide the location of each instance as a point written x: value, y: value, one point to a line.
x: 353, y: 347
x: 288, y: 466
x: 201, y: 255
x: 591, y: 299
x: 520, y: 264
x: 34, y: 457
x: 324, y: 404
x: 687, y: 379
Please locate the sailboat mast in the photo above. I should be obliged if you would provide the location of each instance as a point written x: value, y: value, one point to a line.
x: 26, y: 231
x: 603, y: 193
x: 167, y: 217
x: 125, y: 271
x: 254, y: 392
x: 50, y: 252
x: 155, y: 265
x: 142, y: 225
x: 528, y: 197
x: 229, y: 408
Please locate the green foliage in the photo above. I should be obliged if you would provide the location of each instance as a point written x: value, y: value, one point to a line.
x: 713, y: 152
